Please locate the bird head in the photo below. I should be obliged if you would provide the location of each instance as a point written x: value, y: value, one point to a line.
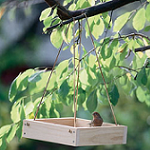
x: 96, y: 115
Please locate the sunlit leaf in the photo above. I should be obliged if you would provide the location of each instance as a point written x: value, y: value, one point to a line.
x: 92, y: 60
x: 56, y: 38
x: 139, y: 20
x: 47, y: 22
x: 45, y: 13
x: 65, y: 48
x: 121, y: 21
x: 13, y: 89
x: 5, y: 129
x: 142, y: 94
x: 15, y: 112
x: 29, y: 107
x: 12, y: 133
x: 36, y: 76
x: 92, y: 2
x: 19, y: 85
x: 98, y: 29
x: 147, y: 13
x: 69, y: 33
x: 84, y: 79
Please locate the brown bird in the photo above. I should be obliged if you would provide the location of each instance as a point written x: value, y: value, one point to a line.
x: 97, y: 119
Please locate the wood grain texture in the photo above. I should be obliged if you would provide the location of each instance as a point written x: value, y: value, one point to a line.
x: 61, y: 130
x: 49, y: 132
x: 104, y: 135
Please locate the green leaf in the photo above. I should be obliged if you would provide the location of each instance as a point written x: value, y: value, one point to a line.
x: 29, y: 108
x: 66, y: 47
x: 114, y: 95
x: 64, y: 90
x: 84, y: 79
x: 121, y: 21
x: 22, y: 117
x: 15, y: 112
x: 35, y: 77
x: 47, y: 22
x: 92, y: 61
x: 79, y: 4
x: 3, y: 145
x: 123, y: 51
x: 91, y: 2
x: 147, y: 13
x: 56, y: 38
x: 5, y: 129
x: 97, y: 44
x: 143, y: 95
x: 142, y: 77
x: 95, y: 31
x: 81, y: 96
x: 106, y: 19
x: 104, y: 49
x: 45, y: 13
x: 92, y: 101
x: 12, y: 133
x: 98, y: 29
x: 69, y: 33
x: 19, y: 130
x: 139, y: 20
x: 19, y: 85
x: 61, y: 68
x: 22, y: 113
x: 147, y: 28
x: 13, y: 89
x: 91, y: 24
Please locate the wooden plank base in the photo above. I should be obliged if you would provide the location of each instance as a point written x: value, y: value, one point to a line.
x: 61, y: 130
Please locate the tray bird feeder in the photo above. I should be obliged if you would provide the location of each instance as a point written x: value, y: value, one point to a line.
x: 62, y: 130
x: 74, y: 131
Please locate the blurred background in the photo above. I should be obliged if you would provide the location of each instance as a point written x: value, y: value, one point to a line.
x: 23, y: 46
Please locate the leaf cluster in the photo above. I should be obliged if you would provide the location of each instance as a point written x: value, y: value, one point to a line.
x: 123, y: 68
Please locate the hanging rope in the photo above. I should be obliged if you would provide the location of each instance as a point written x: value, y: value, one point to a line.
x: 74, y: 74
x: 101, y: 71
x: 44, y: 93
x: 76, y: 101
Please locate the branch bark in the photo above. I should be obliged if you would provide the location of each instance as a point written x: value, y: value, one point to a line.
x: 66, y: 14
x: 142, y: 49
x: 69, y: 16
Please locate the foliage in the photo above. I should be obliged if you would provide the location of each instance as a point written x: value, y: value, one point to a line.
x: 121, y: 65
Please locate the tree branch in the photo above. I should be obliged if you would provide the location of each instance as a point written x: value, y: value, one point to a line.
x: 69, y: 16
x: 142, y: 49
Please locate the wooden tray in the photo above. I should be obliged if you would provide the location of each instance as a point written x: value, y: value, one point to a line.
x: 61, y: 130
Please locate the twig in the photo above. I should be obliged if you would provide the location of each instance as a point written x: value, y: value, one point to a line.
x: 126, y: 68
